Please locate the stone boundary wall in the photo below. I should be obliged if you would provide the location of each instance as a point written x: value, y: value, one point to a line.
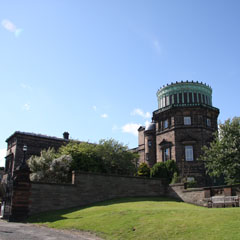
x: 194, y: 195
x: 200, y: 196
x: 50, y: 196
x: 23, y: 198
x: 26, y: 198
x: 88, y: 188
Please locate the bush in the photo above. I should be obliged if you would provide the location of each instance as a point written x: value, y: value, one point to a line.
x: 143, y: 170
x: 164, y: 170
x: 116, y: 159
x: 60, y: 169
x: 109, y: 156
x: 84, y: 155
x: 48, y: 167
x: 159, y: 170
x: 42, y: 163
x: 171, y: 168
x: 191, y: 184
x: 176, y: 178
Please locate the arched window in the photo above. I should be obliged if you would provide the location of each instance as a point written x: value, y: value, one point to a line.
x: 166, y: 154
x: 165, y: 148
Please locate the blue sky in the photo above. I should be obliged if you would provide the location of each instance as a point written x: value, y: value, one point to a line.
x: 93, y: 67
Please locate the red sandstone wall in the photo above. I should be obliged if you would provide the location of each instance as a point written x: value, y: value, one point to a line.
x: 194, y: 196
x: 91, y: 188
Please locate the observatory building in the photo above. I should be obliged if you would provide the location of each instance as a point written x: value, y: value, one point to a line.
x: 183, y: 123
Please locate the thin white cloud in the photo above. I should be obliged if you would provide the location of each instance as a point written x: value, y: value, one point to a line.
x: 9, y: 26
x: 94, y: 108
x: 25, y: 86
x: 140, y: 112
x: 104, y: 115
x: 157, y: 46
x: 2, y: 157
x: 131, y: 128
x: 147, y: 123
x: 26, y: 107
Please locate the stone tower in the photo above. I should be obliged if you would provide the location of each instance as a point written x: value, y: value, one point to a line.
x: 183, y: 123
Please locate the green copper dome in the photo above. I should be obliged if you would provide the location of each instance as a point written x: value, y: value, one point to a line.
x: 184, y: 93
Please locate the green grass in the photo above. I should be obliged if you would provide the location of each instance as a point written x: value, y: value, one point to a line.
x: 147, y: 218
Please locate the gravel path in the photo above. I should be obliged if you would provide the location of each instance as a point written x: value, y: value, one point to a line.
x: 22, y: 231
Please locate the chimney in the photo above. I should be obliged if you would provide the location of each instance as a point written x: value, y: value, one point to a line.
x: 66, y: 135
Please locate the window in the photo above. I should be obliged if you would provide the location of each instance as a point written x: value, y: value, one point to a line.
x: 208, y: 122
x: 199, y: 98
x: 149, y: 143
x: 189, y: 153
x: 180, y: 98
x: 175, y: 99
x: 165, y: 124
x: 167, y: 100
x: 195, y: 97
x: 190, y: 179
x: 207, y: 102
x: 185, y: 98
x: 166, y: 154
x: 190, y: 97
x: 163, y: 102
x: 187, y: 120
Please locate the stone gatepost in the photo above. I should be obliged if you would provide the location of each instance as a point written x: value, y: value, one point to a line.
x: 20, y: 197
x: 227, y: 191
x: 207, y: 192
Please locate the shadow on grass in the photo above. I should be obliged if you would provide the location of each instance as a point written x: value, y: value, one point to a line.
x: 56, y: 215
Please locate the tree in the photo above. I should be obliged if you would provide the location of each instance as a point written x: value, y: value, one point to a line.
x: 172, y: 168
x: 222, y: 157
x: 116, y: 158
x: 159, y: 170
x: 50, y: 167
x: 143, y: 170
x: 84, y: 155
x: 164, y: 170
x: 108, y: 156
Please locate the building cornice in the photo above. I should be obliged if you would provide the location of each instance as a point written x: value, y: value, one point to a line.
x: 36, y: 135
x: 181, y: 106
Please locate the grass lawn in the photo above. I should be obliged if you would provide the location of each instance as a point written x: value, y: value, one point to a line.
x: 147, y: 218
